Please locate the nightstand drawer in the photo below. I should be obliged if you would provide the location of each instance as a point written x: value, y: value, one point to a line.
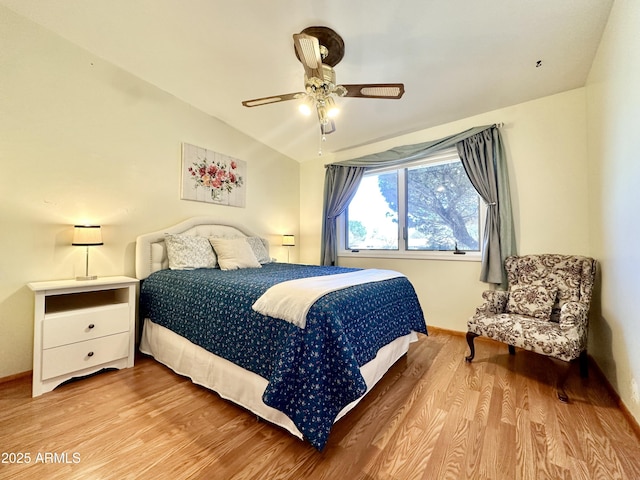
x: 77, y: 356
x: 63, y: 328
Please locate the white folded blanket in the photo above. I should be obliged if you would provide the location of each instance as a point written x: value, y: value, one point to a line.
x: 291, y: 300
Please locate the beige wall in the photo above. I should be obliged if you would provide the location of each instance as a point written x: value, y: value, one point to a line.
x: 545, y: 141
x: 614, y: 159
x: 81, y: 140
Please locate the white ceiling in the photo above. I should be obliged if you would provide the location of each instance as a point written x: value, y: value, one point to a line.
x: 457, y: 58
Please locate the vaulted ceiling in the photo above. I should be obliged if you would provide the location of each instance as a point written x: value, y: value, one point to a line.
x: 456, y: 58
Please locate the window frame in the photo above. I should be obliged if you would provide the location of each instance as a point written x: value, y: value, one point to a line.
x: 445, y: 156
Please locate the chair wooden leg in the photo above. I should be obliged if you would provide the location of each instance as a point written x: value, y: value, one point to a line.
x: 583, y: 360
x: 512, y: 350
x: 470, y: 338
x: 563, y: 369
x: 562, y: 395
x: 583, y: 363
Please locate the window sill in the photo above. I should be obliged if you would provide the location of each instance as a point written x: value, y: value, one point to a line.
x: 446, y: 256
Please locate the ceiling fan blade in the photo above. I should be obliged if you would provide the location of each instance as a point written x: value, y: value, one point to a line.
x: 256, y: 102
x: 308, y: 51
x: 375, y: 90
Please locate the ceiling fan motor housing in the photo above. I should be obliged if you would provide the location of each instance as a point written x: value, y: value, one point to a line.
x: 330, y: 40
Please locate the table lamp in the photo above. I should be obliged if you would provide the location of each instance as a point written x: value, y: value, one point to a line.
x: 87, y: 236
x: 288, y: 241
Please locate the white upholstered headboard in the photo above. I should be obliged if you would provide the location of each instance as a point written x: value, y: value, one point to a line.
x: 151, y: 253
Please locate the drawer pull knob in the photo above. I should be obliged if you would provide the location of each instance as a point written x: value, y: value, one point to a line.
x: 90, y: 354
x: 91, y: 325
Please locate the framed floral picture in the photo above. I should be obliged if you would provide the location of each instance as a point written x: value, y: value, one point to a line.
x: 212, y: 177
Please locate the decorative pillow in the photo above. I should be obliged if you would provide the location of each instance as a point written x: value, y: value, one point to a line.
x: 259, y: 249
x: 234, y: 253
x: 187, y: 252
x: 532, y: 300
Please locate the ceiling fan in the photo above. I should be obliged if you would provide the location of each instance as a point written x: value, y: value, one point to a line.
x: 319, y: 49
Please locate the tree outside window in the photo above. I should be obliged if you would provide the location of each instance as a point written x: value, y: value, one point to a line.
x: 433, y: 204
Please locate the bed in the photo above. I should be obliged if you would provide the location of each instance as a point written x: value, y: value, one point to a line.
x: 301, y: 373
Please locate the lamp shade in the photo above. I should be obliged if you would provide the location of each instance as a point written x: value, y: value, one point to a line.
x: 87, y: 235
x: 289, y: 240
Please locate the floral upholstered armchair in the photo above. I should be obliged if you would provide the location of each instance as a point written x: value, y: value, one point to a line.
x: 545, y: 309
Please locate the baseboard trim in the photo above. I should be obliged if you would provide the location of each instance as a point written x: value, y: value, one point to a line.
x: 16, y: 376
x: 593, y: 365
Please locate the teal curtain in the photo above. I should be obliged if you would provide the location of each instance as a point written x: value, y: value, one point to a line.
x: 482, y: 156
x: 340, y: 185
x: 407, y: 153
x: 343, y: 178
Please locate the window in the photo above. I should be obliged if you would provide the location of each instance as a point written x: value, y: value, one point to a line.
x: 427, y: 208
x: 373, y: 213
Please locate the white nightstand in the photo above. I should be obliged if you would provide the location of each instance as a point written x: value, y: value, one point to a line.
x: 81, y: 327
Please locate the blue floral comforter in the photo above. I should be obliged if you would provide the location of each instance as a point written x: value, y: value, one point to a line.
x: 313, y: 372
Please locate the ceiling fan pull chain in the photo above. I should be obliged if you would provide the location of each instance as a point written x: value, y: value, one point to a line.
x: 323, y: 138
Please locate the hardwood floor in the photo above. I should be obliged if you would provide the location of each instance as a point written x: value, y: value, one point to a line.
x: 433, y: 416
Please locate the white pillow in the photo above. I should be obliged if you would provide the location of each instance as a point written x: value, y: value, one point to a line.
x: 187, y: 252
x: 234, y: 253
x: 258, y: 245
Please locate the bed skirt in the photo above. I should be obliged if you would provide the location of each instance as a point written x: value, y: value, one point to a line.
x: 241, y: 386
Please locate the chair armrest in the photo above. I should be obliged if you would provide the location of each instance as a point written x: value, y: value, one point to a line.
x: 495, y: 302
x: 574, y: 314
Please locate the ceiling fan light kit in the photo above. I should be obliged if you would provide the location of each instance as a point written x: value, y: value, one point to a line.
x: 319, y: 49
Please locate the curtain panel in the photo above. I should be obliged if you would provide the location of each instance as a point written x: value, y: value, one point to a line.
x: 482, y: 154
x: 340, y: 185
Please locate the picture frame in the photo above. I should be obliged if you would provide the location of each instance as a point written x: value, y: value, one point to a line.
x: 212, y: 177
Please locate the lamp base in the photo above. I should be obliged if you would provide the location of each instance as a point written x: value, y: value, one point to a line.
x: 87, y: 277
